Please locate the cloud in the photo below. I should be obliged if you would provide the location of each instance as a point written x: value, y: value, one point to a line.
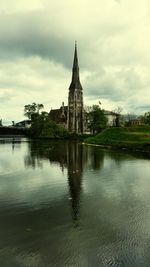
x: 28, y: 80
x: 118, y: 1
x: 124, y: 86
x: 36, y: 52
x: 5, y: 96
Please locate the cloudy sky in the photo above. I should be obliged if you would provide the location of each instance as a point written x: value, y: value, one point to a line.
x: 37, y: 45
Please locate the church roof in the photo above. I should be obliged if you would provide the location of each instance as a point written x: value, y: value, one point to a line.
x: 75, y: 83
x: 56, y: 114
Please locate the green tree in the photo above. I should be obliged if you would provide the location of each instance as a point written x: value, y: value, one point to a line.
x: 42, y: 127
x: 147, y: 118
x: 97, y: 119
x: 31, y: 109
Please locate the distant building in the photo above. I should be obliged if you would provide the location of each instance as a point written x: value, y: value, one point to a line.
x: 132, y: 120
x: 23, y: 124
x: 136, y: 122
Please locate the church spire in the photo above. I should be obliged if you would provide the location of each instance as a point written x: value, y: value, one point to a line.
x: 75, y: 62
x: 75, y: 83
x: 75, y: 99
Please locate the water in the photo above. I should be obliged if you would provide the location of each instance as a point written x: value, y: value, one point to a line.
x: 66, y: 204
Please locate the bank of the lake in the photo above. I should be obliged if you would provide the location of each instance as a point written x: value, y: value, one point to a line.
x: 130, y: 138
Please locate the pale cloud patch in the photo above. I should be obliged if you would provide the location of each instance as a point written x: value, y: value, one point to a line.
x: 15, y: 6
x: 126, y: 87
x: 31, y: 80
x: 5, y: 95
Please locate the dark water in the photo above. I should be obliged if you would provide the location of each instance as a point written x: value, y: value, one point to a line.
x: 65, y: 204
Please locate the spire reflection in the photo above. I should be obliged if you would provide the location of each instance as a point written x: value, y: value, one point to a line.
x: 76, y: 159
x: 70, y: 156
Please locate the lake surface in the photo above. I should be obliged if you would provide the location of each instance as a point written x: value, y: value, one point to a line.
x: 66, y: 204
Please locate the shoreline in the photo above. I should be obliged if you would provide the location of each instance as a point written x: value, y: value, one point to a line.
x: 131, y: 149
x: 132, y: 139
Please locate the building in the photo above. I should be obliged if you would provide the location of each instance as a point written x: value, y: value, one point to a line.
x: 75, y: 100
x: 71, y: 116
x: 60, y: 115
x: 22, y: 124
x: 132, y: 120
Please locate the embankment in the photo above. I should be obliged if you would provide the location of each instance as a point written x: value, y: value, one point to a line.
x: 129, y: 138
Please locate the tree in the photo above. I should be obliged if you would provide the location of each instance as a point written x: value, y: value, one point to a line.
x: 31, y: 109
x: 97, y: 119
x: 42, y: 127
x: 147, y: 118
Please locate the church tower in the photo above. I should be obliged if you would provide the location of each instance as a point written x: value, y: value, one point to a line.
x: 75, y: 99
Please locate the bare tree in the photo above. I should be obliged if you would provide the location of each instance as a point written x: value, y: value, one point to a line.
x: 117, y: 113
x: 31, y: 109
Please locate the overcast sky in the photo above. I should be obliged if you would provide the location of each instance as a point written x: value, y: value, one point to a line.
x: 37, y: 45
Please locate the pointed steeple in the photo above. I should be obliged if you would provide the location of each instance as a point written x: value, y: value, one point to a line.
x: 75, y: 62
x: 75, y: 83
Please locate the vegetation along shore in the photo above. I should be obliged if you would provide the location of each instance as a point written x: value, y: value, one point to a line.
x: 130, y: 138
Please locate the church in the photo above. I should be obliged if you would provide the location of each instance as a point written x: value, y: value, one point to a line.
x: 72, y: 116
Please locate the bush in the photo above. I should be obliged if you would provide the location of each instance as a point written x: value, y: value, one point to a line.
x: 42, y: 127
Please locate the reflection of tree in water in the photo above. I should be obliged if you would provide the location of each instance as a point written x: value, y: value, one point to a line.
x: 35, y: 155
x: 14, y: 141
x: 45, y: 150
x: 96, y: 158
x: 119, y: 157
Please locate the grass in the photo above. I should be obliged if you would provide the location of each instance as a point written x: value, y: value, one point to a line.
x: 123, y: 137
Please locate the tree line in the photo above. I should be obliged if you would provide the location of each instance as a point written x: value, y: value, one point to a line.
x: 42, y: 126
x: 94, y: 116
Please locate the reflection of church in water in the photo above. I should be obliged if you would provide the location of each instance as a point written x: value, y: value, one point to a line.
x: 76, y: 157
x: 72, y: 156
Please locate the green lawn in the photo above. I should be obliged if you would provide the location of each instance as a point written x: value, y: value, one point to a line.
x: 130, y: 137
